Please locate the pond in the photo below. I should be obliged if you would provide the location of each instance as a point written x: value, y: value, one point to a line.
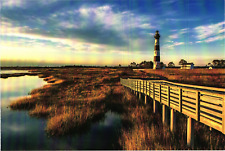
x: 20, y: 131
x: 13, y: 71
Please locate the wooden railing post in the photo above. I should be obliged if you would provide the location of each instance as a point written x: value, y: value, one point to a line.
x: 197, y: 106
x: 172, y: 120
x: 146, y: 87
x: 160, y: 99
x: 180, y: 100
x: 140, y: 92
x: 164, y: 114
x: 155, y: 109
x: 149, y: 89
x: 136, y: 83
x: 190, y: 132
x: 143, y: 87
x: 168, y: 95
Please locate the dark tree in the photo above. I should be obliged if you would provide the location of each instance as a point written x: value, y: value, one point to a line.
x: 182, y: 61
x: 218, y: 63
x: 146, y: 64
x: 171, y: 64
x: 161, y: 64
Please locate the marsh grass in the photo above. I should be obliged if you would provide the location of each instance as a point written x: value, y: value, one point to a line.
x: 23, y: 103
x: 74, y: 103
x: 204, y: 77
x: 85, y: 95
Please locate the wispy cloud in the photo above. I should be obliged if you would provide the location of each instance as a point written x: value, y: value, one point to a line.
x: 24, y: 3
x: 178, y: 33
x: 210, y: 33
x: 172, y: 45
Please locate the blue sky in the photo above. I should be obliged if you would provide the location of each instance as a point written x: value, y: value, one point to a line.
x: 110, y: 32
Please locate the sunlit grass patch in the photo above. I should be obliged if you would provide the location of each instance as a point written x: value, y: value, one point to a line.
x: 71, y: 120
x: 42, y: 111
x: 23, y: 103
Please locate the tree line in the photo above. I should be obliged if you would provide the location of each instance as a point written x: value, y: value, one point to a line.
x: 149, y: 64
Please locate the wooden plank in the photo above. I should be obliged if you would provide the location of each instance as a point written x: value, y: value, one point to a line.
x: 215, y: 107
x: 210, y: 118
x: 164, y: 95
x: 210, y: 123
x: 173, y: 101
x: 174, y: 88
x: 164, y: 87
x: 174, y: 107
x: 188, y: 113
x: 157, y: 98
x: 213, y: 94
x: 189, y: 106
x: 189, y: 100
x: 164, y: 102
x: 175, y: 93
x: 202, y: 109
x: 163, y: 90
x: 211, y: 100
x: 174, y: 96
x: 174, y: 104
x: 189, y: 94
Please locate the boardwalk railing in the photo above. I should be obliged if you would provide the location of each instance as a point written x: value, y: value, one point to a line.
x: 203, y: 104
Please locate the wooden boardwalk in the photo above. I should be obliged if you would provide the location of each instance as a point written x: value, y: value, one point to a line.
x: 203, y: 104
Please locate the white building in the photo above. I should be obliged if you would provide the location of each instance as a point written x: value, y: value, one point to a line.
x: 187, y: 66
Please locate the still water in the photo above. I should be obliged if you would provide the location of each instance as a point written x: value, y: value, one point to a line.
x: 12, y: 71
x: 20, y: 131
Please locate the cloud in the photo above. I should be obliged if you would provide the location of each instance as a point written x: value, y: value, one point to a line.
x: 12, y: 3
x: 173, y: 36
x: 210, y: 33
x: 87, y: 23
x: 23, y: 3
x: 172, y: 45
x: 177, y: 33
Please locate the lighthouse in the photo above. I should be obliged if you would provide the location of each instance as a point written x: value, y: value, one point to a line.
x: 156, y: 51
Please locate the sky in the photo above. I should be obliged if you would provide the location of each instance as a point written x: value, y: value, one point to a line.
x: 110, y: 32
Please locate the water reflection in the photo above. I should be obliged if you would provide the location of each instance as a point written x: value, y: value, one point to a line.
x: 20, y: 131
x: 13, y: 71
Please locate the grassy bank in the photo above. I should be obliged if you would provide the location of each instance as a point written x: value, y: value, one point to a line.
x: 204, y: 77
x: 77, y: 97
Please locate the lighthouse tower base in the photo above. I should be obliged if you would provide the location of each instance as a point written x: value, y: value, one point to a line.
x: 156, y: 65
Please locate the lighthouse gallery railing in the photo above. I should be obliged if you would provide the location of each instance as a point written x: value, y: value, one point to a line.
x: 204, y: 104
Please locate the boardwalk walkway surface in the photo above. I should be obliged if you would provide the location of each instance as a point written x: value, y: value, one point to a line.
x: 203, y: 104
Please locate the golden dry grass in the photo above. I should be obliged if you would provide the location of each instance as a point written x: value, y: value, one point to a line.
x: 72, y: 103
x: 86, y: 94
x: 205, y: 77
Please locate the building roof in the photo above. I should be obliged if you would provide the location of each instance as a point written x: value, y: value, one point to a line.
x: 188, y: 63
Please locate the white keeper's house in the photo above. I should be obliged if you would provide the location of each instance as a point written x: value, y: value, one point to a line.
x: 187, y: 66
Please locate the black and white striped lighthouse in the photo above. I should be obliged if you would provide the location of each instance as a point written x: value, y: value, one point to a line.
x: 156, y: 51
